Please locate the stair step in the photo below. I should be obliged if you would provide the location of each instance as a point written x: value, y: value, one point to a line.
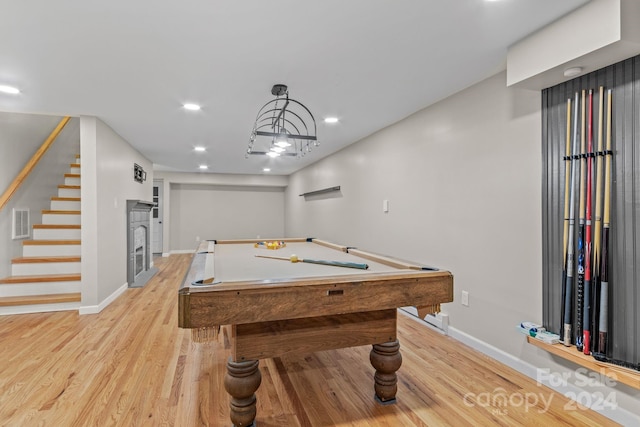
x: 64, y: 192
x: 55, y: 212
x: 20, y: 289
x: 68, y: 190
x: 39, y: 259
x: 74, y: 165
x: 31, y: 248
x: 50, y: 242
x: 41, y: 282
x: 66, y: 205
x: 61, y: 217
x: 40, y: 299
x: 72, y: 175
x: 41, y: 278
x: 65, y: 199
x: 56, y: 232
x: 72, y: 180
x: 56, y: 226
x: 45, y: 265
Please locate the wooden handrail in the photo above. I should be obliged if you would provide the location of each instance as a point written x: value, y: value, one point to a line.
x: 31, y: 164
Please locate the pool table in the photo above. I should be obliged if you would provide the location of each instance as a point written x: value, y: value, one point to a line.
x: 276, y: 307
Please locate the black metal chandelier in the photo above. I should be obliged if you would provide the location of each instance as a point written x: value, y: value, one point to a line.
x: 283, y: 127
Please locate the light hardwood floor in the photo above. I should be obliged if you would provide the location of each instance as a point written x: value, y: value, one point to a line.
x: 131, y: 365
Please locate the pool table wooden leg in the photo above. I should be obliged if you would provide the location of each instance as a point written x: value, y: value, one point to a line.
x: 386, y: 359
x: 241, y: 382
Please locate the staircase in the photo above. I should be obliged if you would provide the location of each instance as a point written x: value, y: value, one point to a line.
x: 47, y: 276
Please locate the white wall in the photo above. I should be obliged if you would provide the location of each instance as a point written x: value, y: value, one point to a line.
x: 463, y: 183
x: 463, y: 180
x: 225, y: 206
x: 224, y: 212
x: 539, y: 60
x: 21, y: 135
x: 107, y: 183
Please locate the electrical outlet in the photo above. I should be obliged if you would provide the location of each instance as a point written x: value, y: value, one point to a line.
x: 465, y: 298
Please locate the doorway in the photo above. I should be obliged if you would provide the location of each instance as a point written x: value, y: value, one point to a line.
x: 156, y: 215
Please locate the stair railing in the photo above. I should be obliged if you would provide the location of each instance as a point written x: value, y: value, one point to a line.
x: 31, y: 164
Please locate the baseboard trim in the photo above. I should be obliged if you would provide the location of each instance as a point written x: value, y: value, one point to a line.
x: 412, y: 313
x: 39, y: 308
x: 619, y: 415
x: 181, y: 251
x: 94, y: 309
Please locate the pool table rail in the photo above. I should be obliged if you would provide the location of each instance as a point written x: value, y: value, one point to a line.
x: 257, y: 301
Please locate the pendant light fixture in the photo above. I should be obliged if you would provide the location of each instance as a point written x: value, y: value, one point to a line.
x: 283, y: 127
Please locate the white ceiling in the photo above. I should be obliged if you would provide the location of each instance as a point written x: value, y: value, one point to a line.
x: 134, y: 63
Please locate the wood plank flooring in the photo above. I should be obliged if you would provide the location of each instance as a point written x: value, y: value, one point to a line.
x: 130, y: 365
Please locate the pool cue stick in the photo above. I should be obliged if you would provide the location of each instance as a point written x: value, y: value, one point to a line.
x: 295, y: 259
x: 582, y: 163
x: 586, y: 319
x: 568, y: 293
x: 567, y: 172
x: 603, y: 324
x: 565, y: 239
x: 597, y: 231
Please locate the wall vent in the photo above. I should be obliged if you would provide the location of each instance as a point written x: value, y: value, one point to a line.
x: 20, y: 229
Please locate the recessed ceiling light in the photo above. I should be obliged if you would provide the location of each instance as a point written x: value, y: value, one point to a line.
x: 572, y: 72
x: 191, y: 107
x: 331, y: 120
x: 266, y: 170
x: 9, y: 89
x: 204, y: 167
x: 200, y: 149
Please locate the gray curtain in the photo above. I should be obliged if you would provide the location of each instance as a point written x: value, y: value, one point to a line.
x: 624, y: 250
